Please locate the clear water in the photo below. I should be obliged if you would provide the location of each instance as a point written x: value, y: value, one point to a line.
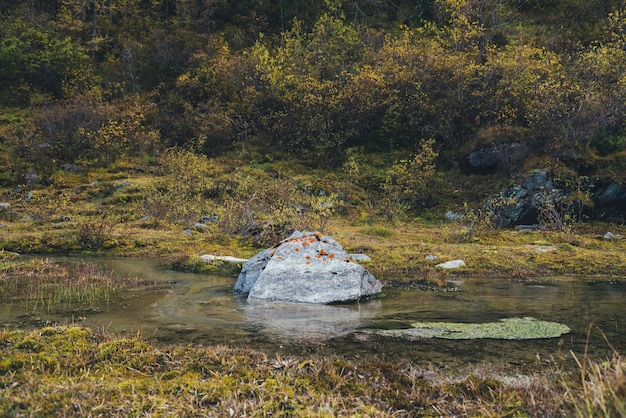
x: 201, y: 309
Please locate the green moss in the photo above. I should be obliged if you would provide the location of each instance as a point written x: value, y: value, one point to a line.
x: 506, y: 329
x: 74, y: 372
x: 130, y: 352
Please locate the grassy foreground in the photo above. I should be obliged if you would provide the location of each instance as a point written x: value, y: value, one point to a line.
x: 72, y: 371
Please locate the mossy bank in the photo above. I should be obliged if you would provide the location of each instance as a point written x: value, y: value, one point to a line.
x: 72, y: 371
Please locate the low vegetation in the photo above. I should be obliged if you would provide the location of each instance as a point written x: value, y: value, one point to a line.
x: 155, y: 210
x: 51, y: 284
x: 72, y: 371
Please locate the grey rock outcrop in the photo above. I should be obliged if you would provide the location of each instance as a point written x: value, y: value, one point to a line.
x: 520, y: 204
x: 610, y: 203
x: 483, y: 161
x: 517, y: 205
x: 307, y: 267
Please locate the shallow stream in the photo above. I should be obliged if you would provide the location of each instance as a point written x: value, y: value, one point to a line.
x: 201, y: 309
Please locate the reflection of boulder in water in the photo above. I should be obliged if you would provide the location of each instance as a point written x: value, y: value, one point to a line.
x: 308, y: 322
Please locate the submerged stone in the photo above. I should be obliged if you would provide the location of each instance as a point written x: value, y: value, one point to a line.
x: 526, y: 328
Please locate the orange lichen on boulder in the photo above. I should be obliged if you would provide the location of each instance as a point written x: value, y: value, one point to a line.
x: 264, y: 276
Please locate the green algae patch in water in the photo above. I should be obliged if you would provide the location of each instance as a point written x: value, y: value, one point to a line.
x: 505, y: 329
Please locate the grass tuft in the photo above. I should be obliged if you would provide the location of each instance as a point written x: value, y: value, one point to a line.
x: 39, y: 283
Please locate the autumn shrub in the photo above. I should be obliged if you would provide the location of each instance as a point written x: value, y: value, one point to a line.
x: 265, y: 210
x: 63, y: 179
x: 268, y: 209
x: 177, y: 193
x: 94, y: 234
x: 407, y: 181
x: 608, y: 144
x: 48, y: 205
x: 568, y: 202
x: 470, y: 223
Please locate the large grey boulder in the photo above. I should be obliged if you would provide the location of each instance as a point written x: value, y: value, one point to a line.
x: 307, y: 267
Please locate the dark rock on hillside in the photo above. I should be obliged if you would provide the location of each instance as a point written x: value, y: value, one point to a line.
x: 491, y: 159
x: 517, y: 205
x: 31, y: 177
x: 208, y: 219
x: 307, y: 267
x: 521, y: 203
x: 538, y: 181
x: 610, y: 203
x: 483, y: 161
x: 121, y: 185
x: 71, y: 168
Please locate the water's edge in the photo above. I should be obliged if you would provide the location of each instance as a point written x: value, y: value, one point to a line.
x: 202, y: 309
